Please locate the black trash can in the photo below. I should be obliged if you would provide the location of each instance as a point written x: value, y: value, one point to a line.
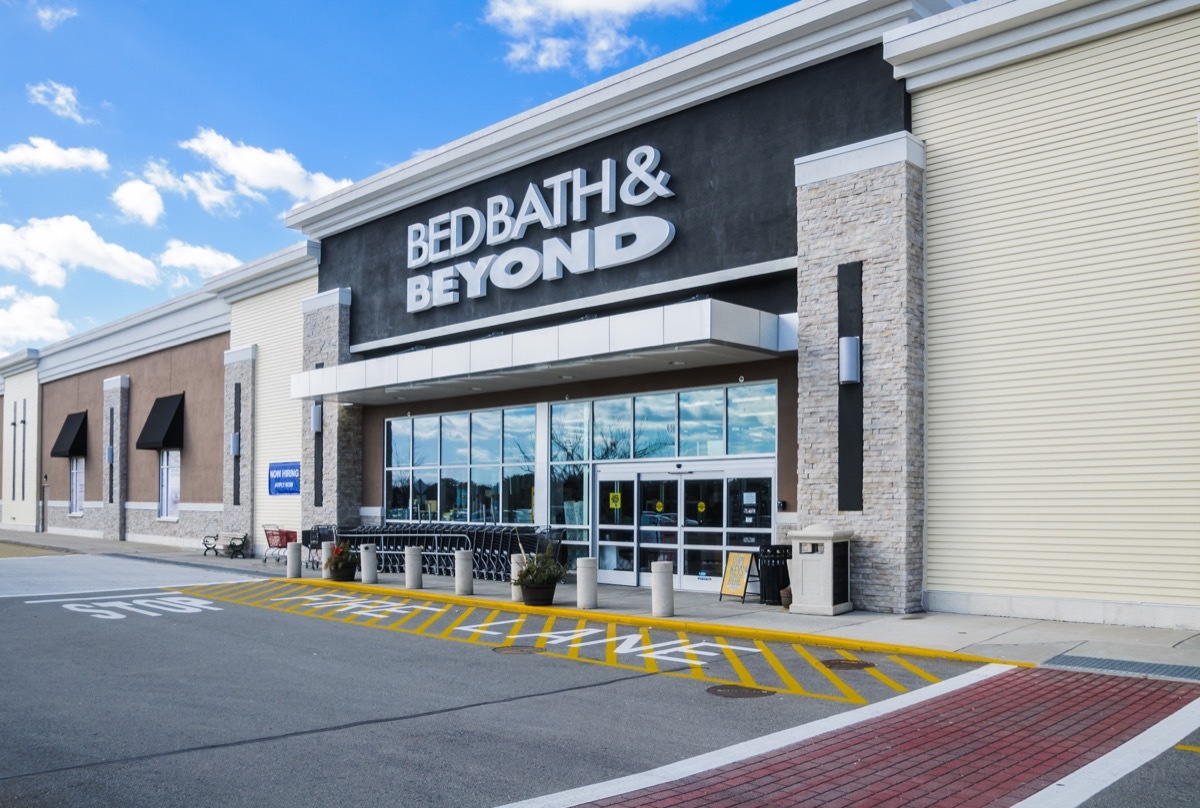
x: 773, y: 572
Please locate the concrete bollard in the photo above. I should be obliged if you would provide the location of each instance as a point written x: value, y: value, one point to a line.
x: 464, y: 572
x: 368, y: 560
x: 662, y: 588
x: 518, y: 564
x: 412, y: 567
x: 326, y: 554
x: 586, y: 589
x: 293, y: 559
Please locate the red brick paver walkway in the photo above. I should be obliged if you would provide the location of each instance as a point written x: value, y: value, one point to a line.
x: 991, y: 744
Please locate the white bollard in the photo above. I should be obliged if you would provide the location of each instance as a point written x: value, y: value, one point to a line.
x: 412, y: 567
x: 293, y: 559
x: 518, y: 564
x: 368, y: 560
x: 326, y: 554
x: 662, y: 588
x: 464, y: 572
x: 586, y: 589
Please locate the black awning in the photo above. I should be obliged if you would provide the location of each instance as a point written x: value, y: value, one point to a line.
x: 72, y: 438
x: 164, y: 425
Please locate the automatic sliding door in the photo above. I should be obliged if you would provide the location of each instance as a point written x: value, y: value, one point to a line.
x: 615, y: 525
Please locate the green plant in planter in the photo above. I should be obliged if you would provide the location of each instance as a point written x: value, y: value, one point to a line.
x: 541, y: 569
x: 343, y: 557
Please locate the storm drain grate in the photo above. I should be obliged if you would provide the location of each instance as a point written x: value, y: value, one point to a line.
x: 1189, y: 673
x: 738, y: 692
x: 847, y: 664
x: 516, y: 649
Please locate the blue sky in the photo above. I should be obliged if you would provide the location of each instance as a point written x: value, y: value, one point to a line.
x: 148, y: 144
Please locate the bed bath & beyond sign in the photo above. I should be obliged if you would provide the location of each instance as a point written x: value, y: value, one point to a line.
x: 462, y: 231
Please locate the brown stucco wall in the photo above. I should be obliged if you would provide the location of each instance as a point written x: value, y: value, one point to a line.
x: 196, y: 370
x: 783, y: 370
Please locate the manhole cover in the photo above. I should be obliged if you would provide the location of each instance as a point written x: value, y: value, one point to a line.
x: 847, y: 664
x: 738, y: 692
x: 516, y: 649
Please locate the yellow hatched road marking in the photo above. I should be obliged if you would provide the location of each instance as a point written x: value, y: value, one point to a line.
x: 875, y: 672
x: 696, y: 673
x: 788, y: 680
x: 913, y: 669
x: 437, y: 616
x: 515, y: 630
x: 651, y: 662
x: 610, y: 650
x: 546, y: 629
x: 736, y: 663
x: 399, y: 624
x: 1185, y: 748
x: 476, y: 636
x: 574, y: 652
x: 833, y: 678
x: 458, y: 621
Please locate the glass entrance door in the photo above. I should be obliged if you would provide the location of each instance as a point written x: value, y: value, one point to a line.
x: 615, y: 528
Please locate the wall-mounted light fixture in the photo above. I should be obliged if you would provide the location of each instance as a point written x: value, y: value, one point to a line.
x: 235, y: 444
x: 316, y: 417
x: 850, y: 360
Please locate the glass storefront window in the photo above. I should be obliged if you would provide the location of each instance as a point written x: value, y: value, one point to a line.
x: 399, y: 443
x: 426, y: 432
x: 654, y: 425
x: 425, y: 494
x: 453, y: 504
x: 455, y: 438
x: 752, y: 415
x: 518, y: 494
x: 398, y: 494
x: 569, y: 431
x: 612, y: 428
x: 569, y: 485
x: 703, y: 503
x: 485, y: 437
x: 702, y: 423
x: 749, y: 502
x: 520, y: 430
x: 485, y: 494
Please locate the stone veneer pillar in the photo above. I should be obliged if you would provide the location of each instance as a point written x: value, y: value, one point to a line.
x: 327, y: 345
x: 865, y: 202
x: 115, y: 424
x: 238, y: 488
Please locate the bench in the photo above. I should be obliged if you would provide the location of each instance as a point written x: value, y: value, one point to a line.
x: 231, y: 543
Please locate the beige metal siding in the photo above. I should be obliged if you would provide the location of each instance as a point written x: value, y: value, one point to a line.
x: 273, y: 322
x: 22, y: 488
x: 1063, y: 310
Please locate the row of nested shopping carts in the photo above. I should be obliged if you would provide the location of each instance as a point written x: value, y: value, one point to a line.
x: 492, y: 546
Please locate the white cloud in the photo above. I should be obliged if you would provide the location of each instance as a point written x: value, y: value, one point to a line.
x: 139, y: 200
x: 43, y: 154
x: 46, y: 249
x: 50, y: 18
x: 552, y: 34
x: 28, y: 319
x: 58, y: 98
x: 205, y: 260
x: 255, y: 170
x: 206, y: 186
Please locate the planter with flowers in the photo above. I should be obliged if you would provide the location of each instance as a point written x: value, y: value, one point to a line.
x: 342, y: 562
x: 539, y: 577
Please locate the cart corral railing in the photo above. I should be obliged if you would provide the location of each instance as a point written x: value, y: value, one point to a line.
x: 491, y: 546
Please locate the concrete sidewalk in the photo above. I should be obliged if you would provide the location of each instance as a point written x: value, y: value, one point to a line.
x: 1165, y: 653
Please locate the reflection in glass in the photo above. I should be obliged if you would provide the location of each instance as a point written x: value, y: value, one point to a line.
x: 485, y: 494
x: 455, y: 438
x: 703, y: 502
x: 752, y: 415
x: 647, y: 556
x: 568, y: 494
x: 425, y: 440
x: 485, y: 437
x: 695, y: 537
x: 518, y: 494
x: 616, y: 504
x: 453, y: 505
x: 659, y: 516
x: 654, y: 425
x: 702, y: 563
x: 612, y: 426
x: 520, y: 427
x: 397, y: 487
x: 615, y: 558
x: 749, y: 502
x: 425, y: 494
x: 399, y: 443
x: 702, y: 423
x: 569, y: 430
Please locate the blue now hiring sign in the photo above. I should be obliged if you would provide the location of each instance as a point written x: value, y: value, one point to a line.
x: 283, y: 478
